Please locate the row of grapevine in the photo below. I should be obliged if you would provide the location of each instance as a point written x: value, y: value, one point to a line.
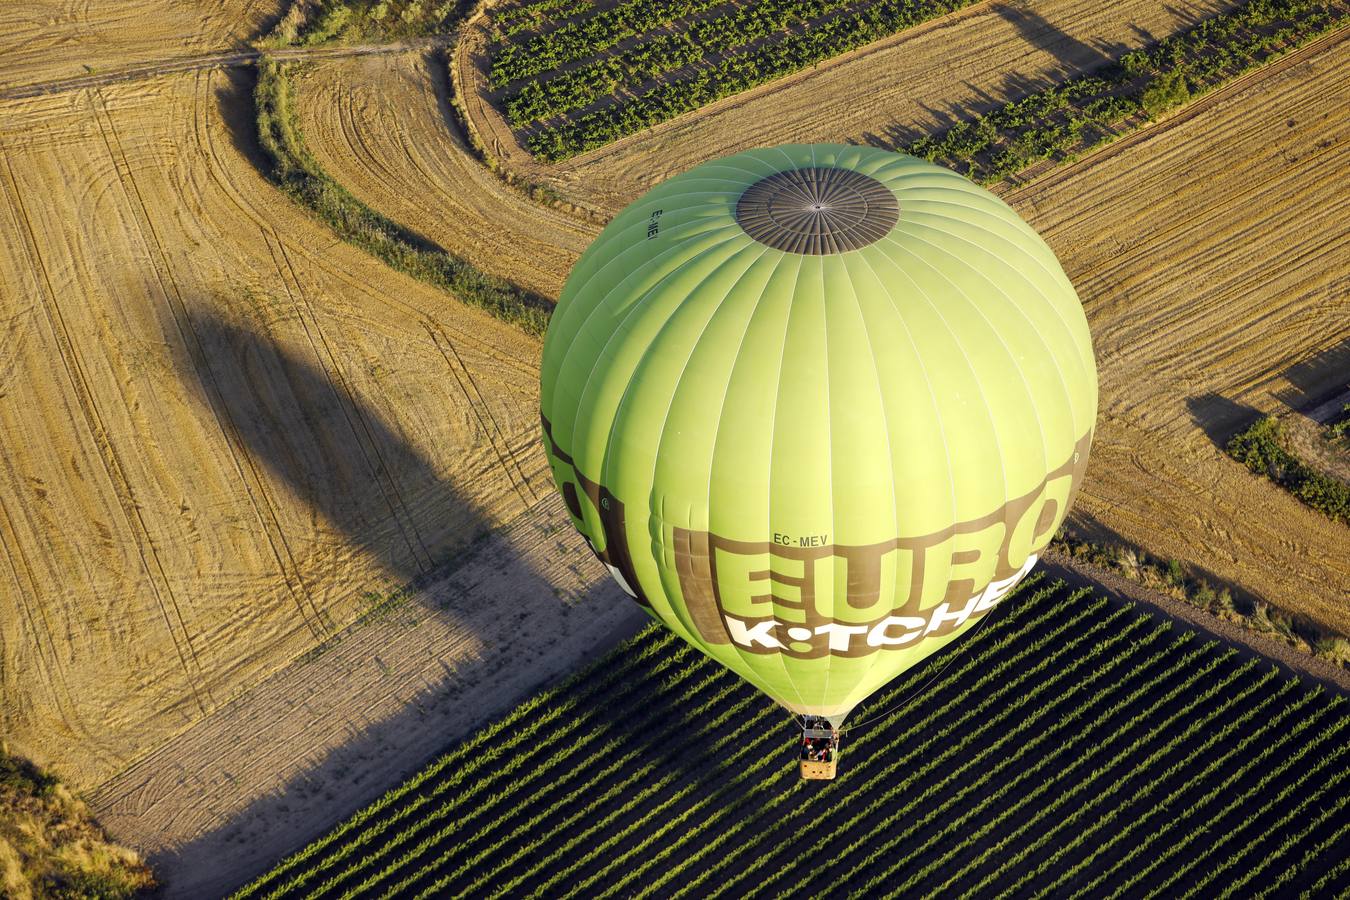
x: 574, y: 88
x: 1070, y: 745
x: 585, y: 37
x: 735, y: 73
x: 1077, y: 114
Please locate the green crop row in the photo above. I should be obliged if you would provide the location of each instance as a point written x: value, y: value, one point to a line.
x: 1261, y: 450
x: 585, y: 37
x: 1071, y: 746
x: 736, y: 73
x: 544, y: 98
x: 1076, y: 115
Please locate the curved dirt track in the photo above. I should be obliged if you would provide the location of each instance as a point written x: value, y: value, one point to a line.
x: 900, y: 87
x: 382, y: 127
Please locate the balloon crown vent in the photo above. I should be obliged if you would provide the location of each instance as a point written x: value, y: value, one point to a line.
x: 817, y: 211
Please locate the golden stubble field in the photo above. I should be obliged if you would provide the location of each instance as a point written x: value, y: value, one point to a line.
x: 45, y: 40
x: 222, y: 426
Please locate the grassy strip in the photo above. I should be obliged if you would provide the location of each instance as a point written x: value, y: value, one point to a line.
x: 50, y: 846
x: 1175, y: 579
x: 1074, y: 116
x: 295, y: 170
x: 1261, y: 450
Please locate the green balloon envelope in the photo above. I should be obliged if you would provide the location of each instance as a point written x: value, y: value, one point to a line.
x: 818, y: 407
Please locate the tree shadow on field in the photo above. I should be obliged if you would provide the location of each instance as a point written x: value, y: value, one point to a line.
x: 1073, y: 55
x: 1320, y: 376
x: 1220, y: 418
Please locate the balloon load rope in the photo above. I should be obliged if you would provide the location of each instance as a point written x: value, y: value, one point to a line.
x: 900, y: 703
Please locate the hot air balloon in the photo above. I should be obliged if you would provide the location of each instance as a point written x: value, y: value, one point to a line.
x: 818, y: 408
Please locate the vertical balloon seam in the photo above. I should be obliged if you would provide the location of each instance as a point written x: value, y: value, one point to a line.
x: 928, y: 382
x: 1046, y: 463
x: 680, y: 610
x: 773, y: 443
x: 829, y: 440
x: 637, y: 306
x: 829, y: 431
x: 675, y: 610
x: 1020, y: 248
x: 1064, y: 382
x: 975, y: 377
x: 1054, y: 274
x: 890, y: 450
x: 749, y: 663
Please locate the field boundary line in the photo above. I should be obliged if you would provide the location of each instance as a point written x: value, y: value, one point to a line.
x: 219, y: 60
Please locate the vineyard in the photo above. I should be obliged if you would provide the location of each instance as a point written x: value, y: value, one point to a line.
x: 655, y: 60
x: 1071, y: 745
x: 572, y: 84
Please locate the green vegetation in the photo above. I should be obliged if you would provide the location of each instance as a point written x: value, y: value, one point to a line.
x: 51, y: 848
x: 1338, y: 429
x: 1072, y: 117
x: 1070, y: 746
x: 1178, y: 581
x: 311, y: 22
x: 1260, y: 449
x: 835, y: 27
x: 674, y: 70
x: 298, y: 173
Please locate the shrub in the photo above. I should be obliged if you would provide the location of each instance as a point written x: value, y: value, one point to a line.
x: 1165, y: 92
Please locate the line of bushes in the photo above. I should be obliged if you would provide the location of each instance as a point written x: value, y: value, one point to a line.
x: 1076, y: 115
x: 529, y: 16
x: 1261, y: 450
x: 586, y: 37
x: 1180, y: 582
x: 295, y: 170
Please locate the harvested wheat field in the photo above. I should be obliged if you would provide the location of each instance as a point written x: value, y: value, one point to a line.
x: 46, y: 40
x: 1212, y: 280
x: 223, y: 426
x: 382, y: 126
x: 919, y: 79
